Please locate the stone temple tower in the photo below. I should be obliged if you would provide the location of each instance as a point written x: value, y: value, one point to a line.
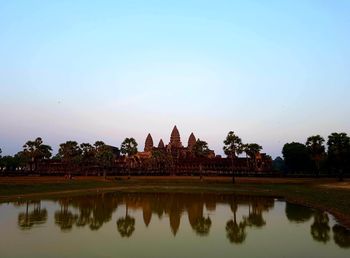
x: 175, y: 140
x: 148, y: 143
x: 161, y: 144
x: 191, y: 141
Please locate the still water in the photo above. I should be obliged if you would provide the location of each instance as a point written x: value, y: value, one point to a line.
x: 168, y: 225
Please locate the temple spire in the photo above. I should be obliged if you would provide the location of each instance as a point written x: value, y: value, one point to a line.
x: 148, y: 143
x: 175, y: 140
x: 161, y: 144
x: 191, y: 141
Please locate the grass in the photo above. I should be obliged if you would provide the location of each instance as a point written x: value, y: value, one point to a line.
x: 325, y: 194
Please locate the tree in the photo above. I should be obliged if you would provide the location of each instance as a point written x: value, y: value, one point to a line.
x: 316, y: 149
x: 339, y: 152
x: 278, y: 164
x: 252, y: 150
x: 232, y: 146
x: 88, y: 153
x: 1, y: 162
x: 36, y: 151
x: 70, y: 153
x: 104, y: 156
x: 201, y: 150
x: 129, y: 147
x: 296, y: 156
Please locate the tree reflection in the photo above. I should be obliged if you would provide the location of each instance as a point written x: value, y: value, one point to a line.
x: 320, y: 229
x: 202, y: 226
x: 64, y: 218
x: 235, y: 232
x: 298, y: 213
x: 26, y: 220
x: 255, y: 217
x: 341, y: 236
x: 126, y: 225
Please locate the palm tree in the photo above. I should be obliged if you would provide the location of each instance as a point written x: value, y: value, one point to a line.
x: 70, y: 153
x: 129, y: 147
x: 339, y: 151
x: 36, y: 151
x: 252, y: 150
x: 200, y: 150
x: 232, y: 147
x: 316, y: 149
x: 104, y: 156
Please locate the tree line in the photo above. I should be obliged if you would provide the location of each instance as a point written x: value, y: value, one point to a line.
x: 317, y: 156
x: 71, y: 153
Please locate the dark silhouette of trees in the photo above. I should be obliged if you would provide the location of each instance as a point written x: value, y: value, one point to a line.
x: 200, y: 150
x: 36, y: 151
x: 278, y: 165
x: 339, y: 152
x: 104, y: 156
x: 70, y: 153
x: 296, y: 157
x: 232, y: 147
x: 252, y: 150
x: 129, y: 147
x: 316, y: 149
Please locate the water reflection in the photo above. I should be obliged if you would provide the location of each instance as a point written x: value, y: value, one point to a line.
x: 298, y: 214
x: 341, y: 236
x: 247, y: 213
x: 320, y: 229
x: 33, y: 215
x: 126, y: 225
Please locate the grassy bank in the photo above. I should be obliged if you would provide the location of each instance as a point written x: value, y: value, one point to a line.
x: 325, y: 194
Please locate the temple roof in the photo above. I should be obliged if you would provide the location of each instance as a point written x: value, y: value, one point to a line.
x: 191, y: 141
x: 148, y: 143
x: 175, y: 140
x: 161, y: 144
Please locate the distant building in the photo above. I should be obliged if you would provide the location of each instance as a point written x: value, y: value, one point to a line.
x: 174, y: 146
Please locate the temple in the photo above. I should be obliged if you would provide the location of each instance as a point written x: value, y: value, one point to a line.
x: 172, y: 158
x: 174, y: 147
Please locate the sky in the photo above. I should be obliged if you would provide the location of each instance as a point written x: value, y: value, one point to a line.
x: 271, y: 71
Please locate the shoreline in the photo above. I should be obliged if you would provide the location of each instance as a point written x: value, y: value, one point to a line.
x: 324, y: 194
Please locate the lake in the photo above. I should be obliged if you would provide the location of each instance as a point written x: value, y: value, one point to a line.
x: 168, y: 225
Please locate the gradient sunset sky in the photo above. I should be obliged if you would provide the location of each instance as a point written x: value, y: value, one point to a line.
x: 272, y: 71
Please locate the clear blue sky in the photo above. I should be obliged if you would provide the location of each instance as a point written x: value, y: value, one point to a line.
x: 272, y: 71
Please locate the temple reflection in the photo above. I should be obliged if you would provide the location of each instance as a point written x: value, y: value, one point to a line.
x: 244, y: 214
